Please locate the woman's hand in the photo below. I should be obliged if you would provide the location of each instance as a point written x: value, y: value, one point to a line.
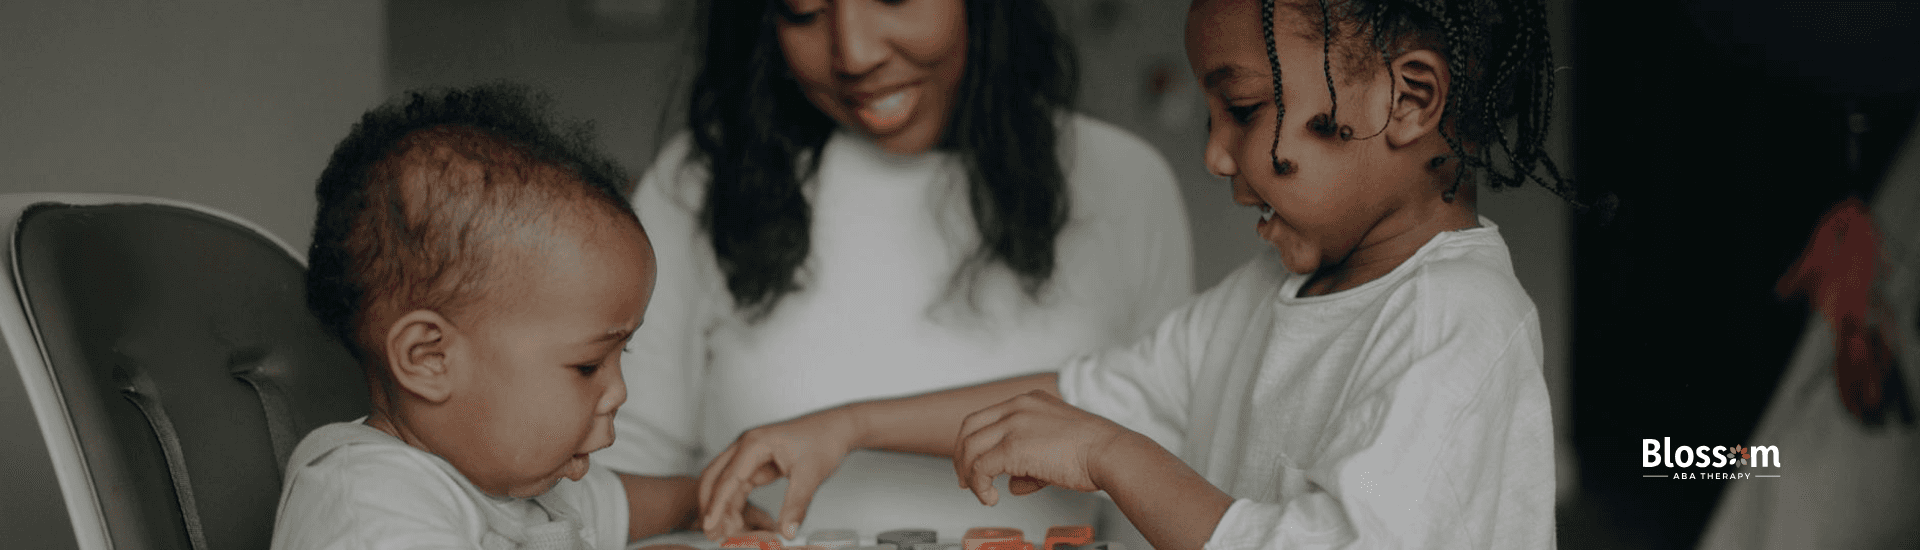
x: 1038, y: 439
x: 804, y: 450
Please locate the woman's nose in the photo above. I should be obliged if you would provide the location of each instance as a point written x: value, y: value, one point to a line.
x: 860, y: 45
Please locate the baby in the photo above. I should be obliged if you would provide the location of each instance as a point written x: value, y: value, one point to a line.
x: 486, y: 272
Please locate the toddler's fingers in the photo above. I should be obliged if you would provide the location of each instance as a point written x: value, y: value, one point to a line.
x: 977, y: 434
x: 1023, y: 485
x: 729, y: 494
x: 759, y: 520
x: 711, y: 474
x: 793, y: 508
x: 967, y: 452
x: 709, y: 477
x: 765, y: 475
x: 735, y: 479
x: 733, y: 519
x: 984, y: 468
x: 984, y: 417
x: 971, y: 456
x: 723, y: 513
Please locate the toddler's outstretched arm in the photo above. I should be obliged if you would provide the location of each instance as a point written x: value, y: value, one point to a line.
x: 806, y: 450
x: 1018, y: 427
x: 1040, y: 436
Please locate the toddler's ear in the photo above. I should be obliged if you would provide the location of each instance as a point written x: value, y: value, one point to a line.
x: 1421, y: 83
x: 417, y: 346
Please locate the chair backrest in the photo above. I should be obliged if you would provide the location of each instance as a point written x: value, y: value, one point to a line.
x: 171, y: 365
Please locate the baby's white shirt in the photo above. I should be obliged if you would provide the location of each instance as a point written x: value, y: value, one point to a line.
x: 350, y: 486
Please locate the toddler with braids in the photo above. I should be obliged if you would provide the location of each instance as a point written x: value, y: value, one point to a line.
x: 1374, y: 381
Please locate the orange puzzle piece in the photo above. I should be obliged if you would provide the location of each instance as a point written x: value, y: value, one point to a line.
x: 753, y: 542
x: 977, y: 538
x: 1070, y: 535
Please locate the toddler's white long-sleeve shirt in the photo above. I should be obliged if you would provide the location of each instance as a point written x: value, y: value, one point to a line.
x: 1408, y: 412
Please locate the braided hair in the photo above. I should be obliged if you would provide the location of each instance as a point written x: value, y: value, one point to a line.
x: 1501, y: 58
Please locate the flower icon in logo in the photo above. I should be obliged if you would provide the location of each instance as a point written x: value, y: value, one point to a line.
x: 1741, y: 452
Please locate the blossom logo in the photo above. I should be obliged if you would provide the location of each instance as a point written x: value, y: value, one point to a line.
x: 1660, y: 453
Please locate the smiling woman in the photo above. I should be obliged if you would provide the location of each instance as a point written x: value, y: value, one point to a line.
x: 985, y: 83
x: 889, y: 71
x: 886, y: 197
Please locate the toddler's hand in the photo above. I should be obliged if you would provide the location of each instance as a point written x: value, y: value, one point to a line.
x: 756, y: 520
x: 804, y: 450
x: 1038, y: 439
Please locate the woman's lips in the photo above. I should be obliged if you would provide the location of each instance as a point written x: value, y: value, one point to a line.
x: 886, y: 113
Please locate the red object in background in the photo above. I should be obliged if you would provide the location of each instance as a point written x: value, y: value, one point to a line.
x: 1835, y: 273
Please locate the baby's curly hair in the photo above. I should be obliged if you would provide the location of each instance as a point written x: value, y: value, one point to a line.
x: 414, y: 203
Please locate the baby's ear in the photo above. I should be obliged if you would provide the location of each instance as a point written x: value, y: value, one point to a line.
x: 1421, y: 83
x: 417, y: 358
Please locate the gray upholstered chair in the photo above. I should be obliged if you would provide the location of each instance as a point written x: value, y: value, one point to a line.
x: 160, y: 365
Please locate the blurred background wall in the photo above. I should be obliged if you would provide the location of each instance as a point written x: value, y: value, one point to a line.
x: 233, y: 104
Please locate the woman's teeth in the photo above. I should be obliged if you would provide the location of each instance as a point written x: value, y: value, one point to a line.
x: 887, y: 105
x: 889, y: 113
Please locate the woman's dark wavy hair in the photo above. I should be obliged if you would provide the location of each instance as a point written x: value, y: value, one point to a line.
x: 761, y: 139
x: 1501, y: 60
